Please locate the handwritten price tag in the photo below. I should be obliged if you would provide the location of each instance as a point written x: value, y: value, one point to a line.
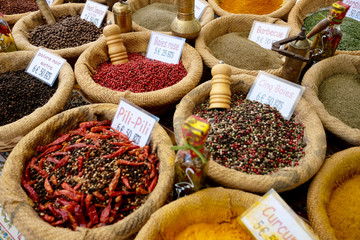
x: 94, y: 12
x: 265, y: 34
x: 272, y: 219
x: 354, y: 11
x: 165, y: 48
x: 49, y: 2
x: 45, y: 66
x: 276, y: 92
x: 134, y: 122
x: 200, y: 6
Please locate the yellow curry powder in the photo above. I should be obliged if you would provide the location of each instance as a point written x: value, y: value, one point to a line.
x: 212, y: 231
x: 258, y: 7
x: 344, y: 209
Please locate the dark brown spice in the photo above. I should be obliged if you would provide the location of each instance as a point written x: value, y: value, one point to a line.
x: 9, y: 7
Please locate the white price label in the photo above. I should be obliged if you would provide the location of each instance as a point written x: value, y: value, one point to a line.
x: 276, y: 92
x: 354, y: 10
x: 265, y: 34
x: 49, y: 2
x: 45, y: 66
x: 94, y: 12
x: 199, y: 9
x: 134, y: 122
x: 272, y: 219
x: 165, y: 48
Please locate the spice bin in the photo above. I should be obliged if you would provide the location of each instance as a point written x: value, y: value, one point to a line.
x: 285, y: 178
x: 335, y: 123
x: 331, y: 186
x: 155, y: 101
x: 11, y: 133
x: 18, y: 205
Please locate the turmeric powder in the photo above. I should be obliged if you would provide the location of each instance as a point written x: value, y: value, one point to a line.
x: 212, y: 231
x: 258, y: 7
x: 344, y: 209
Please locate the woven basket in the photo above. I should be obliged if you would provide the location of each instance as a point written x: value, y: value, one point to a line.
x: 155, y: 101
x: 11, y: 133
x: 304, y: 7
x: 17, y: 204
x: 212, y: 205
x: 228, y: 24
x: 282, y: 12
x: 336, y: 170
x: 28, y: 23
x: 340, y: 64
x: 285, y: 178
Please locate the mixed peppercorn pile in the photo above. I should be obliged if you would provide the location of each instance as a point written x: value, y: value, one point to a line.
x: 90, y: 177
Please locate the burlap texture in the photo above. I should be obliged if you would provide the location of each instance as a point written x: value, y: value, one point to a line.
x: 135, y: 5
x: 13, y: 18
x: 19, y: 207
x: 155, y: 101
x: 11, y: 133
x: 212, y: 205
x: 336, y: 170
x: 282, y: 12
x: 228, y: 24
x: 26, y: 24
x: 304, y: 7
x: 340, y: 64
x: 286, y: 178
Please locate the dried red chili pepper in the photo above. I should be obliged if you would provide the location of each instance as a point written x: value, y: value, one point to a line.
x: 115, y: 180
x: 48, y: 186
x: 33, y: 194
x: 125, y: 162
x: 98, y: 195
x: 105, y: 214
x: 153, y: 184
x: 117, y: 153
x: 71, y: 195
x: 79, y: 145
x: 61, y: 163
x: 59, y: 140
x: 80, y: 216
x: 80, y: 162
x: 88, y: 199
x: 125, y: 180
x: 53, y: 180
x: 93, y: 215
x: 49, y: 150
x: 48, y: 218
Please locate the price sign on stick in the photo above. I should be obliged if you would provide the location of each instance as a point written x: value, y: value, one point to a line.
x: 134, y: 122
x: 94, y: 12
x: 276, y: 92
x: 265, y: 34
x: 354, y: 11
x: 165, y: 48
x: 45, y: 66
x: 199, y: 9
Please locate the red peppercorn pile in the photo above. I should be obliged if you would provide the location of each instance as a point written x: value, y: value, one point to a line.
x: 90, y: 177
x: 140, y: 74
x: 252, y: 137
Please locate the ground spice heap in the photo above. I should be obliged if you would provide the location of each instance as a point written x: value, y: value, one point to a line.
x: 90, y: 177
x: 252, y: 137
x: 9, y: 7
x: 258, y: 7
x: 350, y: 28
x: 68, y: 31
x: 340, y: 95
x: 156, y: 16
x: 140, y: 74
x: 344, y: 210
x: 238, y: 51
x: 21, y: 94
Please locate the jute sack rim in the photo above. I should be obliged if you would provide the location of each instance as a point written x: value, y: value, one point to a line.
x: 286, y: 178
x: 19, y: 206
x: 228, y: 24
x: 25, y: 25
x: 348, y: 64
x: 207, y: 16
x: 338, y: 168
x: 11, y: 133
x: 158, y: 98
x: 212, y: 205
x: 280, y: 13
x: 299, y: 12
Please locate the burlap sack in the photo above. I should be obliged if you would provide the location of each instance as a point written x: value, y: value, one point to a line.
x: 135, y: 5
x: 212, y: 205
x: 155, y: 101
x: 286, y: 178
x: 13, y: 18
x: 280, y: 13
x: 28, y: 23
x: 17, y: 204
x: 228, y: 24
x: 340, y: 64
x: 304, y: 7
x: 11, y: 133
x: 336, y: 170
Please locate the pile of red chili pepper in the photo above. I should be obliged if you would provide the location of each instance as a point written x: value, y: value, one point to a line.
x: 140, y: 74
x: 90, y: 177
